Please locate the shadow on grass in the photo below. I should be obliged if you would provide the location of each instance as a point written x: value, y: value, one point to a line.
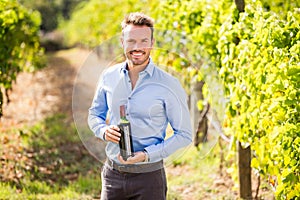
x: 50, y: 159
x: 59, y: 158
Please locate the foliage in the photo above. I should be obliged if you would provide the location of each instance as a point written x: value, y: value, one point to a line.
x: 256, y: 57
x: 280, y: 7
x: 52, y: 11
x: 19, y: 42
x: 261, y: 75
x: 196, y: 24
x: 97, y: 21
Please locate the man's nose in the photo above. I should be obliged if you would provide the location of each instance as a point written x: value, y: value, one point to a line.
x: 137, y: 46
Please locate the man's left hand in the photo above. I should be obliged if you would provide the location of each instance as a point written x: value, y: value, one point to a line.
x: 138, y: 157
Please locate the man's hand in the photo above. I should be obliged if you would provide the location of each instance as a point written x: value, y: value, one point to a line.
x: 112, y: 134
x: 138, y: 157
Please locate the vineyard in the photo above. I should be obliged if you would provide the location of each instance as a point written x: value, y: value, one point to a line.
x: 246, y: 55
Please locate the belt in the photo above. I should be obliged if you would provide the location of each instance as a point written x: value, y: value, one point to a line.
x: 135, y: 168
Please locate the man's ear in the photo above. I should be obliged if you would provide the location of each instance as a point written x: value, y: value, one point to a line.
x: 152, y: 42
x: 122, y: 41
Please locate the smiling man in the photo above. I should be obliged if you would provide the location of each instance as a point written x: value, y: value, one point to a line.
x: 153, y: 99
x: 137, y: 44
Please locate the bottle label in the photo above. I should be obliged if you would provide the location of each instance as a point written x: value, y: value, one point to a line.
x: 127, y: 140
x: 126, y: 148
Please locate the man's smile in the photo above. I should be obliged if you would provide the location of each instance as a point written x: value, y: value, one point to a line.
x: 137, y: 53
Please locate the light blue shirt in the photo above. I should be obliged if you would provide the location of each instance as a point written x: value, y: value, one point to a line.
x: 156, y: 100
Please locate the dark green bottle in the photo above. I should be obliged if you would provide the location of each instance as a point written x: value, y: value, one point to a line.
x: 125, y: 143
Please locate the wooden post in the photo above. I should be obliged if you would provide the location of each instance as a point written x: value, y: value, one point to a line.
x: 199, y: 119
x: 240, y: 4
x: 244, y: 155
x: 196, y: 94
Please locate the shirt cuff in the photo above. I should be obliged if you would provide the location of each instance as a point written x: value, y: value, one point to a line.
x: 101, y: 133
x: 154, y: 154
x: 147, y: 156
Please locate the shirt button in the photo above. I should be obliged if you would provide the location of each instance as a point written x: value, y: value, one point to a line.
x: 129, y: 98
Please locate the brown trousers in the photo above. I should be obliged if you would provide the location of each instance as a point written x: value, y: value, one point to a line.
x: 118, y: 185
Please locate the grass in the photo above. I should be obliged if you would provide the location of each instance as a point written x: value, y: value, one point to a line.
x: 50, y: 162
x: 195, y: 176
x: 47, y: 161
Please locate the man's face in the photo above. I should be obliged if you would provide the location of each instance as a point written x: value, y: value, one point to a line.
x: 137, y: 44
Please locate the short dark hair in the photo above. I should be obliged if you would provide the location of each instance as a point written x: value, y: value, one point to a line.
x: 139, y: 19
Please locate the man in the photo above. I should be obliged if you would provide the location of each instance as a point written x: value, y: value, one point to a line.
x: 152, y: 99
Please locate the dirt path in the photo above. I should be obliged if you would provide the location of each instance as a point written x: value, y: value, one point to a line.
x: 37, y: 95
x: 65, y: 86
x: 50, y: 90
x: 34, y: 98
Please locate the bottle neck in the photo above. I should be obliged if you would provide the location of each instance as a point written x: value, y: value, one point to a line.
x: 123, y: 114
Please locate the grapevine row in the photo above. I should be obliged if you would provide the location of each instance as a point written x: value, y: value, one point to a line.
x: 19, y: 43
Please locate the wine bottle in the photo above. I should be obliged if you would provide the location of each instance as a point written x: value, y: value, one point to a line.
x: 125, y: 143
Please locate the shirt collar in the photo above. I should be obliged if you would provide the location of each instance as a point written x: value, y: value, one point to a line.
x: 149, y: 69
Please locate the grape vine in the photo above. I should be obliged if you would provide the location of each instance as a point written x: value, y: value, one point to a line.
x: 260, y: 75
x: 19, y: 43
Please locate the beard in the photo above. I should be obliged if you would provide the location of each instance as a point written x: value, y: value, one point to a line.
x: 143, y: 57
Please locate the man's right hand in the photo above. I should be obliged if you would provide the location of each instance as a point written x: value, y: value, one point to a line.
x: 112, y: 134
